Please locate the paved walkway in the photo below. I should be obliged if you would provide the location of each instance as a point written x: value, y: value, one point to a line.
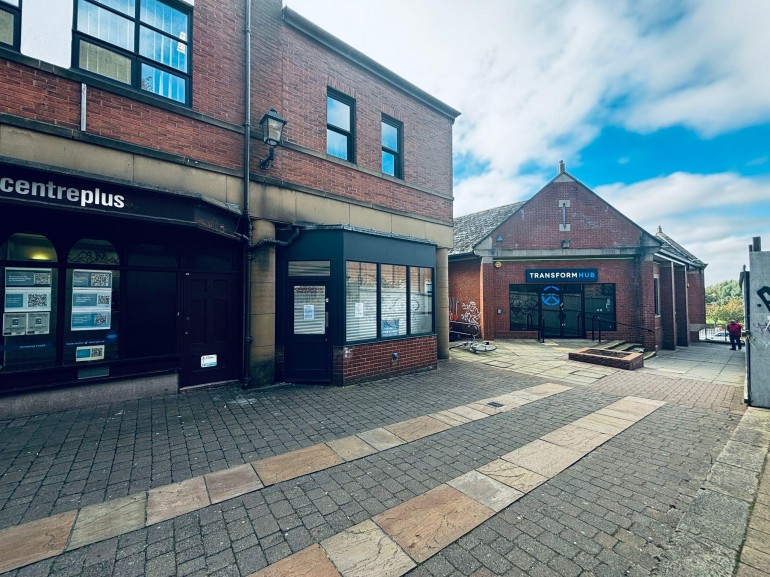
x: 265, y: 476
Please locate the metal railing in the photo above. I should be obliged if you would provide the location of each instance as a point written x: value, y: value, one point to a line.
x: 597, y: 320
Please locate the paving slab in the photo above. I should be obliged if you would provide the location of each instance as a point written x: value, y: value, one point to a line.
x: 296, y: 463
x: 233, y: 482
x: 513, y: 475
x: 105, y: 520
x: 366, y: 551
x: 451, y: 419
x: 543, y: 458
x: 310, y: 562
x: 733, y: 481
x: 351, y: 448
x: 34, y: 541
x: 417, y: 428
x: 174, y: 500
x: 381, y: 439
x: 426, y: 524
x: 706, y: 517
x: 486, y: 490
x: 577, y: 438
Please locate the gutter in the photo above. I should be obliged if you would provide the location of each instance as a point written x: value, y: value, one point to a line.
x: 247, y: 256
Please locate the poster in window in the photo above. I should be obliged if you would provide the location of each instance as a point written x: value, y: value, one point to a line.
x: 27, y: 301
x: 91, y: 300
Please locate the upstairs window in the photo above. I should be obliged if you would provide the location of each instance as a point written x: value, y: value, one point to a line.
x: 10, y: 23
x: 339, y: 126
x: 141, y: 43
x: 391, y: 147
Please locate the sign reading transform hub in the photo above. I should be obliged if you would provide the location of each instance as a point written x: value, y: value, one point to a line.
x: 577, y: 275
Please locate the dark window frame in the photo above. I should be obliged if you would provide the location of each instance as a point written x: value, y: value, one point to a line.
x: 135, y: 57
x: 348, y: 134
x: 656, y: 295
x: 398, y: 171
x: 410, y: 333
x: 16, y: 12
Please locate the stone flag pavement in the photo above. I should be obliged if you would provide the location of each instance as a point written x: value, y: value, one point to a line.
x: 514, y: 462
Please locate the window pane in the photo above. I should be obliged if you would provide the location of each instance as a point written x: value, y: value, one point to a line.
x: 337, y: 113
x: 164, y: 83
x: 389, y: 136
x: 12, y: 2
x: 105, y: 25
x: 128, y: 7
x: 163, y: 49
x: 91, y: 329
x: 150, y: 322
x: 392, y: 300
x: 336, y: 144
x: 105, y: 62
x: 157, y: 255
x: 600, y: 301
x: 523, y: 302
x: 29, y: 298
x: 388, y: 163
x: 164, y: 17
x: 361, y: 301
x: 310, y: 268
x: 31, y: 247
x: 7, y: 21
x: 89, y: 251
x: 309, y: 310
x: 421, y: 300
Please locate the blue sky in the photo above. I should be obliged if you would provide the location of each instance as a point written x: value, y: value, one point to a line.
x: 662, y: 107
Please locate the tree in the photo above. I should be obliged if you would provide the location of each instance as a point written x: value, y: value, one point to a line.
x: 723, y: 292
x: 722, y: 313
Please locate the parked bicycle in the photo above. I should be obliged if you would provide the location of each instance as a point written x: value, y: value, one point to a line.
x: 468, y: 332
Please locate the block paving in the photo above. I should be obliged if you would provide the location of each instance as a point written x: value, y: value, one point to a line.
x: 624, y: 500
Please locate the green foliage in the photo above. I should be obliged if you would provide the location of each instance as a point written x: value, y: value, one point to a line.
x: 723, y: 292
x: 723, y: 313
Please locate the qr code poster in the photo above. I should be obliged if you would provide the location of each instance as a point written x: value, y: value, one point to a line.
x: 90, y: 321
x: 28, y: 277
x: 96, y: 279
x: 19, y: 300
x: 14, y: 324
x: 89, y: 353
x: 91, y: 300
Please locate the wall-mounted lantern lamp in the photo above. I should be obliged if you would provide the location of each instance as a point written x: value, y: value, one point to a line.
x: 565, y: 243
x: 272, y: 125
x: 499, y: 238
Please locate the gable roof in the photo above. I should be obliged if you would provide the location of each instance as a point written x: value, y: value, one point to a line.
x: 675, y: 250
x: 471, y: 229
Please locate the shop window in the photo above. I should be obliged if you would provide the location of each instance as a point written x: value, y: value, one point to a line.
x: 391, y: 147
x: 392, y: 300
x: 339, y: 125
x: 140, y: 43
x: 600, y: 301
x: 10, y: 23
x: 361, y: 301
x: 214, y: 255
x: 153, y: 255
x: 420, y: 300
x: 150, y: 322
x: 523, y: 307
x: 90, y: 252
x: 299, y: 268
x: 29, y: 293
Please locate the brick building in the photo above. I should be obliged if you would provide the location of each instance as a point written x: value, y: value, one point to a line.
x: 566, y: 262
x: 140, y: 253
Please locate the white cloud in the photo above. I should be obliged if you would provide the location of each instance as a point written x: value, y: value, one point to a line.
x: 712, y: 216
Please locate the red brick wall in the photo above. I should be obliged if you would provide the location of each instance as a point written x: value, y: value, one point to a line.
x: 357, y: 363
x: 593, y: 223
x: 623, y: 273
x: 696, y: 300
x: 464, y: 284
x: 308, y: 69
x: 217, y: 85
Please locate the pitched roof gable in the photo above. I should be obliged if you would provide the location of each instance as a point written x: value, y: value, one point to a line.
x: 674, y: 249
x: 471, y: 229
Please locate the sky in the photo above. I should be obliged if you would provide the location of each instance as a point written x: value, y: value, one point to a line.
x: 662, y: 107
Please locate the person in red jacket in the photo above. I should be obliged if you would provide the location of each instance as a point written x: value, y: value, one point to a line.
x: 735, y: 329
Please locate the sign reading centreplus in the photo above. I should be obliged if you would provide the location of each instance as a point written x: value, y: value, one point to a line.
x: 51, y: 190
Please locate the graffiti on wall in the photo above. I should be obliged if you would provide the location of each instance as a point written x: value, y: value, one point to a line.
x: 759, y: 333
